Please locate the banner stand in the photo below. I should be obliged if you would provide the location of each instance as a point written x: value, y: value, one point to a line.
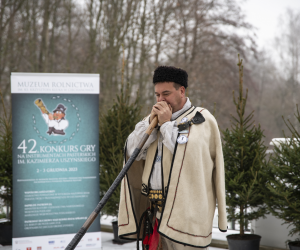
x: 55, y: 159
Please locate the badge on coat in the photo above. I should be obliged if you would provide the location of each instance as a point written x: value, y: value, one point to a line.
x: 182, y: 139
x: 184, y: 119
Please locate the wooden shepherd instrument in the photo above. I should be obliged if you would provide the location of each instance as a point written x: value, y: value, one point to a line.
x: 112, y: 188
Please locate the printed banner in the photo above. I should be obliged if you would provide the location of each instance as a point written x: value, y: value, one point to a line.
x: 55, y: 158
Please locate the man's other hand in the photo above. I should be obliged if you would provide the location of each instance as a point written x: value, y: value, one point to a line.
x: 152, y: 115
x: 163, y: 112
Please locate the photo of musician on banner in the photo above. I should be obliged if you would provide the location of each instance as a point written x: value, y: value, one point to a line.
x: 56, y: 122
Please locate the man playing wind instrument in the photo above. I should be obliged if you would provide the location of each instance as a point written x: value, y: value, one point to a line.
x: 169, y: 194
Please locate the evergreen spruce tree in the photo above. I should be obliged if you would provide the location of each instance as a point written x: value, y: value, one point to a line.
x: 115, y: 127
x: 284, y: 181
x: 244, y: 157
x: 6, y: 168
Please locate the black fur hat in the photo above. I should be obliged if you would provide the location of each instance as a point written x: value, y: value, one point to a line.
x: 170, y: 74
x: 60, y: 108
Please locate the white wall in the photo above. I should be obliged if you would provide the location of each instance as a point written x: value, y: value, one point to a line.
x: 272, y: 233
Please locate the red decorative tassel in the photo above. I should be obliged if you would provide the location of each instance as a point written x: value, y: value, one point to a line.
x: 153, y: 240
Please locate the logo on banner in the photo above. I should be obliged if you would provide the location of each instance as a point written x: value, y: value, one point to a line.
x: 28, y: 248
x: 90, y: 245
x: 39, y: 248
x: 57, y: 121
x: 51, y: 242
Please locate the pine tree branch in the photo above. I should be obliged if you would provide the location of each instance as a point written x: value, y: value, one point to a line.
x: 249, y: 117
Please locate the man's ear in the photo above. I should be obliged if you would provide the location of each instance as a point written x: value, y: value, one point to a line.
x: 182, y: 91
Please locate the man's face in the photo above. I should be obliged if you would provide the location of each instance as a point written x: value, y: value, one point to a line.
x: 165, y: 91
x: 58, y: 115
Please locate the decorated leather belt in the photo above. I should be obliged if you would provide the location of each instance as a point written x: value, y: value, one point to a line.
x: 157, y: 199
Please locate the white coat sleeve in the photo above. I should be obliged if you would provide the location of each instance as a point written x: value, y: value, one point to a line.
x: 219, y: 177
x: 169, y: 131
x: 135, y: 137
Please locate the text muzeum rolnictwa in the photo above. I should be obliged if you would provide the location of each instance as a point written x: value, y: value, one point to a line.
x: 55, y: 85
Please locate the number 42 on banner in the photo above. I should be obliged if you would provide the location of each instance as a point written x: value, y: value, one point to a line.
x: 23, y: 146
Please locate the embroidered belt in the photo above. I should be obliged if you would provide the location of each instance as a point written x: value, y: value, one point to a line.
x: 157, y: 199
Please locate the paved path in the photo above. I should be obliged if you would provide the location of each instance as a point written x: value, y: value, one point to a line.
x: 107, y: 244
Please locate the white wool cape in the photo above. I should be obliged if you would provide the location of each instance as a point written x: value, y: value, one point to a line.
x: 193, y: 181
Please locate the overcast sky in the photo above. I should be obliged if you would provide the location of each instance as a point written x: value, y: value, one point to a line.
x: 264, y: 15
